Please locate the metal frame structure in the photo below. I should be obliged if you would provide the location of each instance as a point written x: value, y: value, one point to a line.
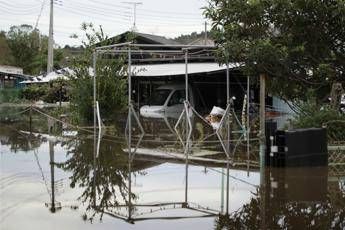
x: 130, y: 49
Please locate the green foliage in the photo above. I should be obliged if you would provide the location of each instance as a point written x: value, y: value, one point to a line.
x: 299, y: 44
x: 6, y: 57
x: 9, y: 95
x: 111, y: 82
x: 27, y: 48
x: 24, y: 43
x: 34, y: 92
x: 56, y: 91
x: 314, y: 115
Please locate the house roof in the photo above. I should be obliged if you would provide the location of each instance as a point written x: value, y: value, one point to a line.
x: 61, y: 73
x: 142, y: 38
x: 157, y: 39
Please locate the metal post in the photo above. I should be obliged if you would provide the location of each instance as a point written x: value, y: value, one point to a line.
x: 94, y: 101
x: 262, y: 138
x: 187, y: 117
x: 186, y: 74
x: 228, y: 139
x: 262, y: 120
x: 227, y: 186
x: 129, y: 188
x: 51, y: 39
x: 94, y: 190
x: 222, y: 193
x: 51, y: 156
x: 30, y: 114
x: 129, y: 131
x: 129, y: 99
x: 228, y: 104
x: 248, y: 124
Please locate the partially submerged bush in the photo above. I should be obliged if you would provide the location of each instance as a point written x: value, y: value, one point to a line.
x: 315, y: 115
x: 34, y: 92
x: 56, y: 91
x: 9, y: 95
x: 111, y: 80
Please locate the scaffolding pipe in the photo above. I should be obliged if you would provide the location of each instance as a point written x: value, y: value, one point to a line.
x: 129, y: 132
x: 94, y: 108
x: 228, y: 135
x: 141, y: 51
x: 52, y: 178
x: 262, y: 120
x: 113, y: 46
x: 172, y: 46
x: 222, y: 193
x: 94, y: 93
x: 187, y: 131
x: 262, y: 150
x: 227, y: 186
x: 248, y: 122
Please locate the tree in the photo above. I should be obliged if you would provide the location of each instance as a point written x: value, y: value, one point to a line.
x: 29, y: 49
x: 24, y: 43
x: 299, y: 44
x: 6, y: 57
x: 111, y: 79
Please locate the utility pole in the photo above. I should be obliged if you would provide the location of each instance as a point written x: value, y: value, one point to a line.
x: 51, y: 39
x: 134, y: 4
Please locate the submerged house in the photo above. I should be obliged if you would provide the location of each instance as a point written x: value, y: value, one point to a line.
x: 207, y: 79
x: 11, y: 76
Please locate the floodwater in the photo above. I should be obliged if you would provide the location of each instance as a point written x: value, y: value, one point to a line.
x: 73, y: 181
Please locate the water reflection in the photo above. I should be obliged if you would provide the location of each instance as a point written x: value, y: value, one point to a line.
x: 105, y: 182
x: 293, y: 198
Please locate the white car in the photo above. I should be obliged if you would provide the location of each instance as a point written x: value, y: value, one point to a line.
x: 166, y: 101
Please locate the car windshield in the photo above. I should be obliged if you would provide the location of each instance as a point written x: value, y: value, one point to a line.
x: 159, y: 96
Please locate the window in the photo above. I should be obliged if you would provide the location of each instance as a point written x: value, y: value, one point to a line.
x: 159, y: 96
x: 177, y: 98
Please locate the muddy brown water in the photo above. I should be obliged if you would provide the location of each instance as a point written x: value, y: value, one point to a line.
x: 51, y: 181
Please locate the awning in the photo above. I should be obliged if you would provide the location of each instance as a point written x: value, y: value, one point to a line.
x: 174, y: 69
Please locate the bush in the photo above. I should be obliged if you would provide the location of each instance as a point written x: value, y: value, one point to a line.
x: 111, y: 80
x: 9, y: 95
x: 315, y: 115
x: 34, y: 92
x: 56, y: 91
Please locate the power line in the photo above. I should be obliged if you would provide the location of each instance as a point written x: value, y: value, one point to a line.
x: 16, y: 6
x: 81, y: 10
x: 83, y: 13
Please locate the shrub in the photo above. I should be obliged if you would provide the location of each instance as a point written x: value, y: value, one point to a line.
x: 315, y: 115
x: 9, y: 95
x: 34, y: 92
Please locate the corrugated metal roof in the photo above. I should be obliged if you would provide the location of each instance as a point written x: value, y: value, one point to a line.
x: 153, y: 70
x: 62, y: 73
x: 178, y: 69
